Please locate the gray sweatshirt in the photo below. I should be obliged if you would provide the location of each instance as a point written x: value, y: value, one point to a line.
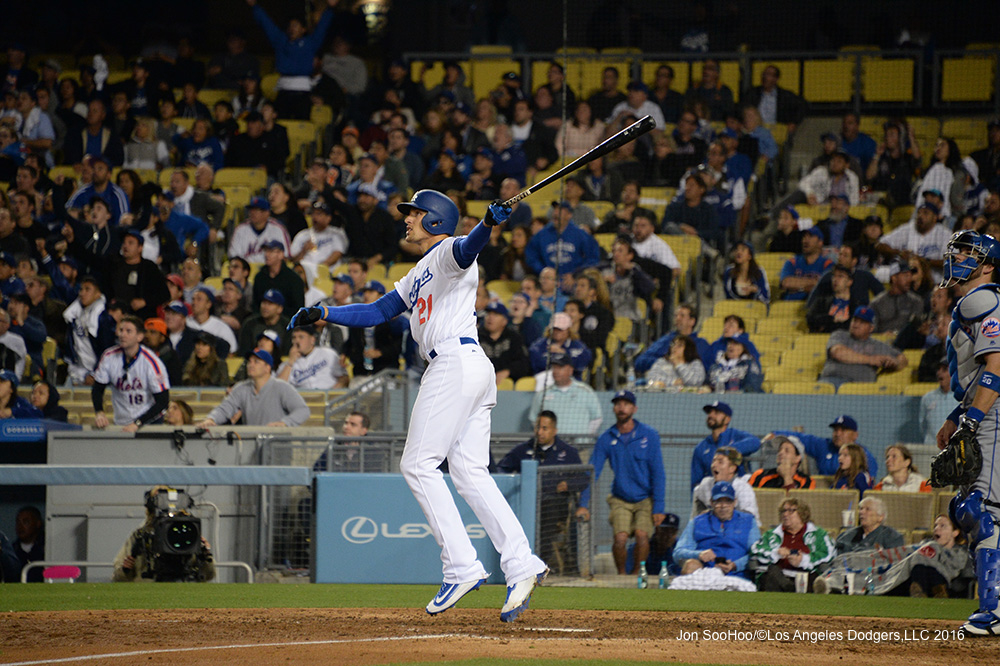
x: 276, y: 401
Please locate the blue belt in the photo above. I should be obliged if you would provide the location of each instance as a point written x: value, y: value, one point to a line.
x: 465, y: 341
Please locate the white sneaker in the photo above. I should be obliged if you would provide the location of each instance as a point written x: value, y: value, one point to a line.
x: 518, y: 596
x: 450, y: 593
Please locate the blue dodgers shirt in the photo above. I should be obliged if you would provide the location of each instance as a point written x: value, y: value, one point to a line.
x: 637, y: 462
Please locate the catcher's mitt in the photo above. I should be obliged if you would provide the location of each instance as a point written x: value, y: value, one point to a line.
x: 960, y: 462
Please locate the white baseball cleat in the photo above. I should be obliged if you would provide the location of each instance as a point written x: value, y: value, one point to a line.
x: 984, y: 623
x: 450, y: 593
x: 518, y: 596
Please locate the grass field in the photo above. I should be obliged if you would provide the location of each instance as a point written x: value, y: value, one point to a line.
x: 105, y: 596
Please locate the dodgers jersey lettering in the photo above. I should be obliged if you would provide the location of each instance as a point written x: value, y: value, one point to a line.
x: 132, y: 385
x: 437, y: 317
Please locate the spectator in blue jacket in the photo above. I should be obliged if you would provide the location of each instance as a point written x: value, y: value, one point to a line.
x: 732, y: 326
x: 825, y: 450
x: 559, y: 339
x: 801, y: 273
x: 562, y: 245
x: 720, y: 538
x: 14, y: 407
x: 685, y: 321
x: 637, y: 493
x: 294, y: 51
x: 200, y: 146
x: 852, y: 472
x: 183, y: 227
x: 719, y: 416
x: 737, y: 369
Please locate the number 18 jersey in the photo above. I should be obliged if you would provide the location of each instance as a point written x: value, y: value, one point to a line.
x: 132, y: 385
x: 442, y: 296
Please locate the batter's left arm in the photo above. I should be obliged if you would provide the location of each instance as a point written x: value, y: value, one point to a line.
x: 356, y: 315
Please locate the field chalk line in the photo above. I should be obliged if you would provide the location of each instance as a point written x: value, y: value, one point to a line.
x: 386, y: 639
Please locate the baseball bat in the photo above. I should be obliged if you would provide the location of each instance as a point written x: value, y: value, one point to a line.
x: 630, y: 133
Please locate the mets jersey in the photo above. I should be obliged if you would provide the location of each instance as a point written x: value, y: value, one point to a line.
x: 132, y: 384
x: 319, y: 370
x: 248, y: 243
x: 442, y: 296
x: 974, y: 332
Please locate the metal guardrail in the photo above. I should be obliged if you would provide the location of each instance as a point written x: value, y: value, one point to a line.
x: 378, y: 388
x: 84, y: 563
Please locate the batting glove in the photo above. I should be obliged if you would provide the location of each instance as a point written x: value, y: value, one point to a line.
x: 306, y: 317
x: 496, y: 214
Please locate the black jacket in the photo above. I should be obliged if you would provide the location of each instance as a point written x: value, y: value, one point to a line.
x: 791, y: 107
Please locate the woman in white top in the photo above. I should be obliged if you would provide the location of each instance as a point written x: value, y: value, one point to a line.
x: 902, y: 474
x: 680, y: 368
x: 947, y: 176
x: 581, y: 134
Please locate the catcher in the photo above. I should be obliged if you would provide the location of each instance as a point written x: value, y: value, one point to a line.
x: 969, y: 435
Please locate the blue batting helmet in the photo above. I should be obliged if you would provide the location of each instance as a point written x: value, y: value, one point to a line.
x: 442, y: 213
x: 977, y: 248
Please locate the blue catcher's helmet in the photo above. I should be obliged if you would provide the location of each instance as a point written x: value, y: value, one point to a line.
x: 977, y: 248
x: 442, y: 213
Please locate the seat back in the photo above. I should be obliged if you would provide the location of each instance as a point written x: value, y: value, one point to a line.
x: 60, y: 574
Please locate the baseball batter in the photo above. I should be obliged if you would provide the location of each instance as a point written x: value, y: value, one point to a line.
x: 971, y: 262
x: 451, y: 416
x: 140, y: 389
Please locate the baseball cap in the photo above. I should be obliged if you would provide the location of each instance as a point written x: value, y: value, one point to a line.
x: 205, y: 337
x: 730, y: 133
x: 54, y: 65
x: 864, y: 313
x: 155, y: 324
x: 260, y: 203
x: 844, y: 421
x: 843, y: 153
x: 9, y: 376
x: 815, y: 231
x: 791, y: 211
x: 255, y: 117
x: 176, y: 279
x: 207, y: 291
x: 723, y: 490
x: 274, y: 296
x: 273, y: 245
x: 898, y: 267
x: 565, y: 204
x: 70, y: 261
x: 873, y: 219
x: 625, y: 395
x: 934, y: 193
x: 368, y: 156
x: 346, y: 279
x: 780, y: 439
x: 7, y: 258
x: 841, y: 196
x: 828, y: 136
x: 136, y: 234
x: 561, y: 320
x: 637, y: 85
x: 740, y: 338
x: 322, y: 206
x: 498, y: 308
x: 93, y: 159
x: 511, y: 76
x: 733, y: 454
x: 720, y: 406
x: 931, y: 207
x: 371, y: 190
x: 270, y: 335
x: 671, y: 520
x: 320, y: 162
x: 374, y: 285
x: 350, y: 129
x: 262, y: 355
x: 464, y: 108
x: 560, y: 358
x: 177, y: 308
x: 167, y: 195
x: 487, y: 153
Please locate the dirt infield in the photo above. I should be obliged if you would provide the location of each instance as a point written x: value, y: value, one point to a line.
x: 366, y: 636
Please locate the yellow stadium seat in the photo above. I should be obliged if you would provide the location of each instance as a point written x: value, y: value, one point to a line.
x: 812, y: 341
x: 504, y: 288
x: 872, y: 125
x: 600, y: 208
x: 745, y: 308
x: 772, y: 263
x: 682, y: 73
x: 861, y: 211
x: 525, y: 384
x: 489, y: 49
x: 251, y: 177
x: 826, y: 505
x: 965, y: 128
x: 925, y: 126
x: 397, y: 271
x: 787, y: 327
x: 605, y: 241
x: 787, y: 309
x: 237, y: 196
x: 65, y: 170
x: 477, y: 208
x: 711, y: 328
x: 233, y: 364
x: 919, y: 389
x: 685, y: 246
x: 215, y: 282
x: 828, y: 80
x: 592, y: 73
x: 506, y: 385
x: 900, y: 215
x: 269, y: 85
x: 780, y: 132
x: 488, y: 72
x: 906, y: 511
x: 789, y: 79
x: 802, y: 388
x: 864, y: 388
x: 814, y: 213
x: 209, y: 97
x: 729, y: 74
x: 853, y: 48
x: 320, y: 115
x: 968, y: 79
x: 806, y: 357
x: 623, y: 328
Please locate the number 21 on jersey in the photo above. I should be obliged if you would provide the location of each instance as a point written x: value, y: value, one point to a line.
x: 424, y: 308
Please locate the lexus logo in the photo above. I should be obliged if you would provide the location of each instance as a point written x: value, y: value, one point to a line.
x: 359, y: 529
x: 362, y: 529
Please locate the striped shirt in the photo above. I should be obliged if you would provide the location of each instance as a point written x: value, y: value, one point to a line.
x: 134, y: 383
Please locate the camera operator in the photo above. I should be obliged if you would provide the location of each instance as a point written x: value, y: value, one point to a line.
x: 145, y: 556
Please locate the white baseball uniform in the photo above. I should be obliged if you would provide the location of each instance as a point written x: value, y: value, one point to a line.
x: 319, y: 370
x: 132, y: 385
x: 330, y: 240
x: 249, y: 244
x: 451, y: 419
